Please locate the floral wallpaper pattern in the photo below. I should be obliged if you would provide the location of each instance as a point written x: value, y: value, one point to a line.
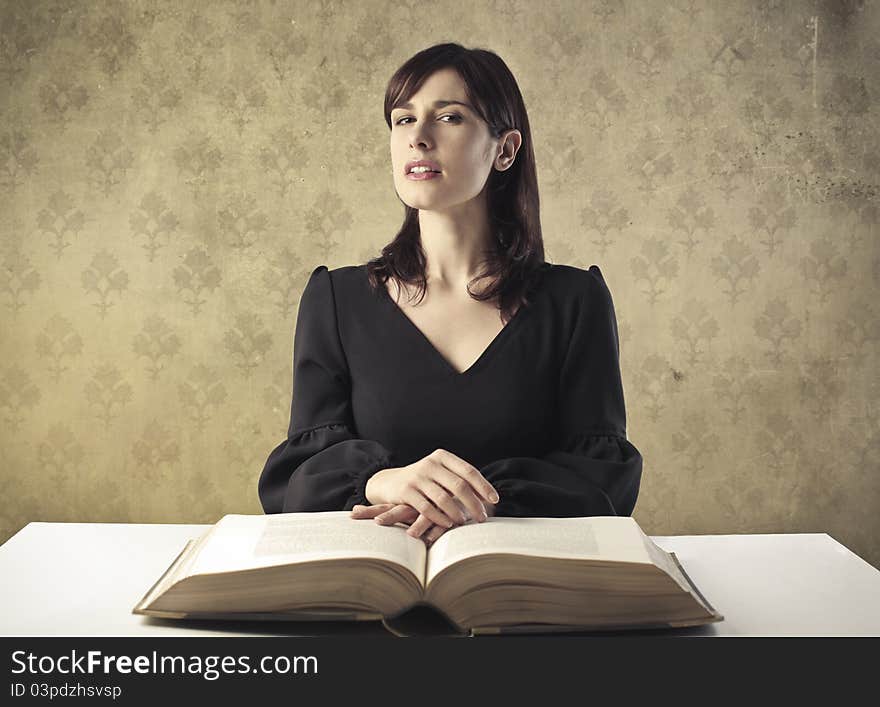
x: 171, y: 172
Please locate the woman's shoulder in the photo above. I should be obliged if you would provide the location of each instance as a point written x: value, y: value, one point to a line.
x: 579, y: 292
x: 347, y: 285
x: 337, y: 273
x: 343, y: 277
x: 577, y: 283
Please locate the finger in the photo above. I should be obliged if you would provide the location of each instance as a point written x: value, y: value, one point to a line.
x: 444, y: 498
x: 434, y: 533
x: 417, y: 499
x: 482, y: 514
x: 470, y: 506
x: 478, y: 483
x: 360, y: 511
x: 422, y: 524
x: 401, y: 513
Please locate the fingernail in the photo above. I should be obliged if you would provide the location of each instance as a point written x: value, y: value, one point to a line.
x: 494, y: 497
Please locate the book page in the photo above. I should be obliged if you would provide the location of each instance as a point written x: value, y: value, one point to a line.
x: 239, y: 542
x: 614, y: 538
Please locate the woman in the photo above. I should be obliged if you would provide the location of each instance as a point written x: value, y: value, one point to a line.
x: 458, y: 375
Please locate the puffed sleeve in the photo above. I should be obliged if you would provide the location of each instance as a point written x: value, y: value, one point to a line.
x: 322, y: 465
x: 593, y: 469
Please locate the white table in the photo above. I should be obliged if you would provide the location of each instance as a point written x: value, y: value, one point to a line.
x: 82, y: 579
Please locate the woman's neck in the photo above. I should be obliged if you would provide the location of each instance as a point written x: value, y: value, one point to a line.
x: 455, y: 245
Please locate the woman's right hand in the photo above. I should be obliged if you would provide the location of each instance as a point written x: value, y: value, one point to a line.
x: 432, y: 485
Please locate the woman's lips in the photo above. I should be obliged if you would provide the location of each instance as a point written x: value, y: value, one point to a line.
x: 418, y: 176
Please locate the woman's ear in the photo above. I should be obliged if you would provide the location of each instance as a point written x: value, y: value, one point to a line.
x: 508, y: 144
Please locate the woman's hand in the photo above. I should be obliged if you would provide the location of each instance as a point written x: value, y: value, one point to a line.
x: 423, y: 525
x: 440, y: 486
x: 380, y: 512
x: 390, y: 514
x: 420, y: 526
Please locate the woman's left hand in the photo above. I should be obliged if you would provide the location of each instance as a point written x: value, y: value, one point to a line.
x: 420, y: 525
x: 381, y: 512
x: 390, y: 514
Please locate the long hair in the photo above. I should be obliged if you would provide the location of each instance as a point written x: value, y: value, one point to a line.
x: 516, y: 259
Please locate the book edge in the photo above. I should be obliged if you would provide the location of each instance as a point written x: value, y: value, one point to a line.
x: 304, y: 616
x: 716, y: 616
x: 573, y: 628
x: 141, y: 606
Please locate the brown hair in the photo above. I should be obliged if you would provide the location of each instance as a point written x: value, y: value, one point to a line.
x: 514, y: 264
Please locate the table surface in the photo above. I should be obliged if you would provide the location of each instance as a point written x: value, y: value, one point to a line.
x: 83, y: 579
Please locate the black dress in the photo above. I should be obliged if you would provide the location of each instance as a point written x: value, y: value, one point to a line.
x: 540, y: 413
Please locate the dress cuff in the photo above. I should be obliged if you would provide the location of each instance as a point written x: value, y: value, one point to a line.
x: 359, y: 497
x: 508, y: 506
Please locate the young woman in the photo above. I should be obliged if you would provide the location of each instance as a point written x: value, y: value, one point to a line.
x: 457, y: 375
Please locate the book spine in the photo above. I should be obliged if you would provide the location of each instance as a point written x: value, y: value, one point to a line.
x: 423, y: 619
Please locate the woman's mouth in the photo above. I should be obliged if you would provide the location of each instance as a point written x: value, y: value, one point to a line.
x: 418, y: 176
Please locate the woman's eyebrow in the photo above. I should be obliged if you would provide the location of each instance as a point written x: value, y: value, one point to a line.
x: 437, y: 104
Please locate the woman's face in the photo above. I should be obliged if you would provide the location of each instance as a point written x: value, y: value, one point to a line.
x: 452, y: 136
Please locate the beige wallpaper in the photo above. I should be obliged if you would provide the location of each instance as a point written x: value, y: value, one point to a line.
x: 171, y: 172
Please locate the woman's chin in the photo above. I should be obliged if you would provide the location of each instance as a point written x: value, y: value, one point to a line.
x: 422, y: 204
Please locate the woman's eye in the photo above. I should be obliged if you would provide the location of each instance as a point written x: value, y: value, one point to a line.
x: 455, y: 118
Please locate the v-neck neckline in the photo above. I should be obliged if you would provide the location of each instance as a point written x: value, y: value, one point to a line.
x: 493, y: 345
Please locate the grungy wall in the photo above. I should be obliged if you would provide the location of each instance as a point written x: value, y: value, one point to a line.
x: 172, y: 171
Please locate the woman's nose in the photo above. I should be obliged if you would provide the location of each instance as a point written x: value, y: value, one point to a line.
x: 419, y: 139
x: 420, y: 136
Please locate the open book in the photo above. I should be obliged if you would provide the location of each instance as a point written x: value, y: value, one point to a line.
x: 503, y: 575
